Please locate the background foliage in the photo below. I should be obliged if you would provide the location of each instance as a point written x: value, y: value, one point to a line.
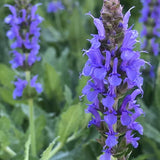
x: 59, y: 114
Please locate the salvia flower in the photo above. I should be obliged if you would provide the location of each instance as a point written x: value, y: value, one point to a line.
x: 114, y: 69
x: 55, y: 6
x: 24, y: 34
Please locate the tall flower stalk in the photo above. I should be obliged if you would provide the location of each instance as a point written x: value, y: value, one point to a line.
x: 24, y: 34
x: 150, y: 20
x: 115, y: 81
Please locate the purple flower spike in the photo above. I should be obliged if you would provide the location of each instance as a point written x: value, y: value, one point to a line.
x: 113, y: 67
x: 24, y: 33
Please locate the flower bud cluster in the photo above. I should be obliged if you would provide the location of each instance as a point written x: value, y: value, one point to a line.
x: 115, y: 81
x: 24, y: 34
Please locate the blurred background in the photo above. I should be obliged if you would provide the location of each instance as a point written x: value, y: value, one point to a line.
x: 58, y: 110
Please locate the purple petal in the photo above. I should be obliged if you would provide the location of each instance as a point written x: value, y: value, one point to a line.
x: 19, y: 87
x: 131, y: 139
x: 100, y: 73
x: 95, y: 42
x: 99, y: 25
x: 35, y: 85
x: 126, y: 19
x: 110, y: 119
x: 87, y: 70
x: 106, y: 156
x: 8, y: 19
x: 125, y: 119
x: 111, y: 141
x: 108, y: 101
x: 95, y: 121
x: 131, y: 73
x: 92, y: 95
x: 33, y: 11
x: 138, y: 127
x: 114, y: 80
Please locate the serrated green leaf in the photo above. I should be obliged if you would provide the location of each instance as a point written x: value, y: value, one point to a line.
x: 46, y: 153
x: 70, y: 121
x: 27, y: 147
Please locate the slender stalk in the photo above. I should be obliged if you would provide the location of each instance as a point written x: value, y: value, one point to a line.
x: 31, y: 119
x: 32, y: 126
x: 10, y: 151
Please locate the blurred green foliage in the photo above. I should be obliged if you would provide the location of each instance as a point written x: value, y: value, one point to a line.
x: 59, y: 114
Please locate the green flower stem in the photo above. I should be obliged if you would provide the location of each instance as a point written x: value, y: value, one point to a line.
x: 31, y: 119
x: 56, y: 149
x: 32, y: 127
x: 10, y: 151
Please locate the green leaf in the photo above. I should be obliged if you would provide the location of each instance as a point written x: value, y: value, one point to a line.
x: 46, y: 153
x: 143, y: 157
x: 27, y: 146
x: 4, y: 131
x: 151, y: 132
x: 51, y: 34
x: 6, y: 76
x: 157, y: 90
x: 40, y: 123
x: 6, y: 95
x: 62, y: 156
x: 49, y: 56
x: 68, y: 95
x: 17, y: 116
x: 52, y: 85
x: 70, y: 121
